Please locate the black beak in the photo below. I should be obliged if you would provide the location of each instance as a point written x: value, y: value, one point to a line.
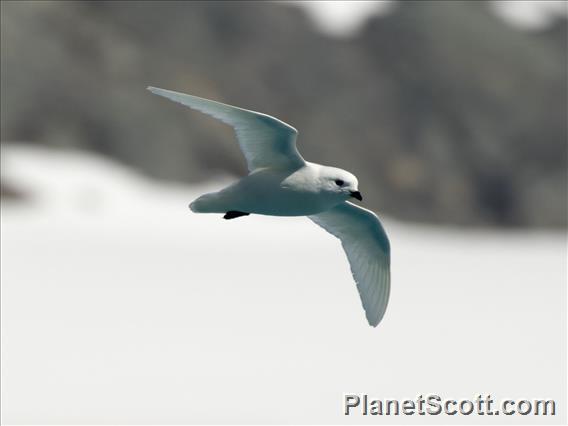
x: 357, y: 194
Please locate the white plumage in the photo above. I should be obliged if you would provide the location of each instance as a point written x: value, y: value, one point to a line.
x: 282, y: 183
x: 368, y: 250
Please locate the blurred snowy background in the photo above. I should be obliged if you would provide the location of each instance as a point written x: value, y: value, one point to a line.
x: 120, y: 306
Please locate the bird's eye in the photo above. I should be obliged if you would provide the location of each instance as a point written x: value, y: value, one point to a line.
x: 339, y: 182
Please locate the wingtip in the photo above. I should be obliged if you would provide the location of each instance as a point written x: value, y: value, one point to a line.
x: 374, y: 321
x: 160, y: 92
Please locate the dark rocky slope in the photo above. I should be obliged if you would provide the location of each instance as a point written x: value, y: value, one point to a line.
x: 444, y: 112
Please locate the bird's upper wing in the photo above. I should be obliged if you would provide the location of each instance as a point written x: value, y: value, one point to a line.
x: 264, y: 140
x: 368, y: 250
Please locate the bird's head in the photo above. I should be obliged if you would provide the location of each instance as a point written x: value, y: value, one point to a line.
x: 340, y: 182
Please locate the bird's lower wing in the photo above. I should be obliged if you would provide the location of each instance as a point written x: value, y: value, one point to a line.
x: 265, y: 141
x: 368, y: 250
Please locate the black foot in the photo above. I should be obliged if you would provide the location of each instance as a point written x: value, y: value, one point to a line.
x: 232, y: 214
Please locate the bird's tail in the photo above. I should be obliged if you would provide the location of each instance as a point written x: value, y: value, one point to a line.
x: 208, y: 203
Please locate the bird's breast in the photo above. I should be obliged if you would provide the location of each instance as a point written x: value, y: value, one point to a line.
x: 282, y: 194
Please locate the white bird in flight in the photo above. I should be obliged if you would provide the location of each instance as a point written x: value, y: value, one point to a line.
x: 282, y: 183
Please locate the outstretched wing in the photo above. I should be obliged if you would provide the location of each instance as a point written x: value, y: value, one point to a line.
x: 264, y: 140
x: 368, y: 250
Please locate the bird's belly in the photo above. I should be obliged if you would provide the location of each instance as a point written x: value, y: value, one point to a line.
x: 283, y: 202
